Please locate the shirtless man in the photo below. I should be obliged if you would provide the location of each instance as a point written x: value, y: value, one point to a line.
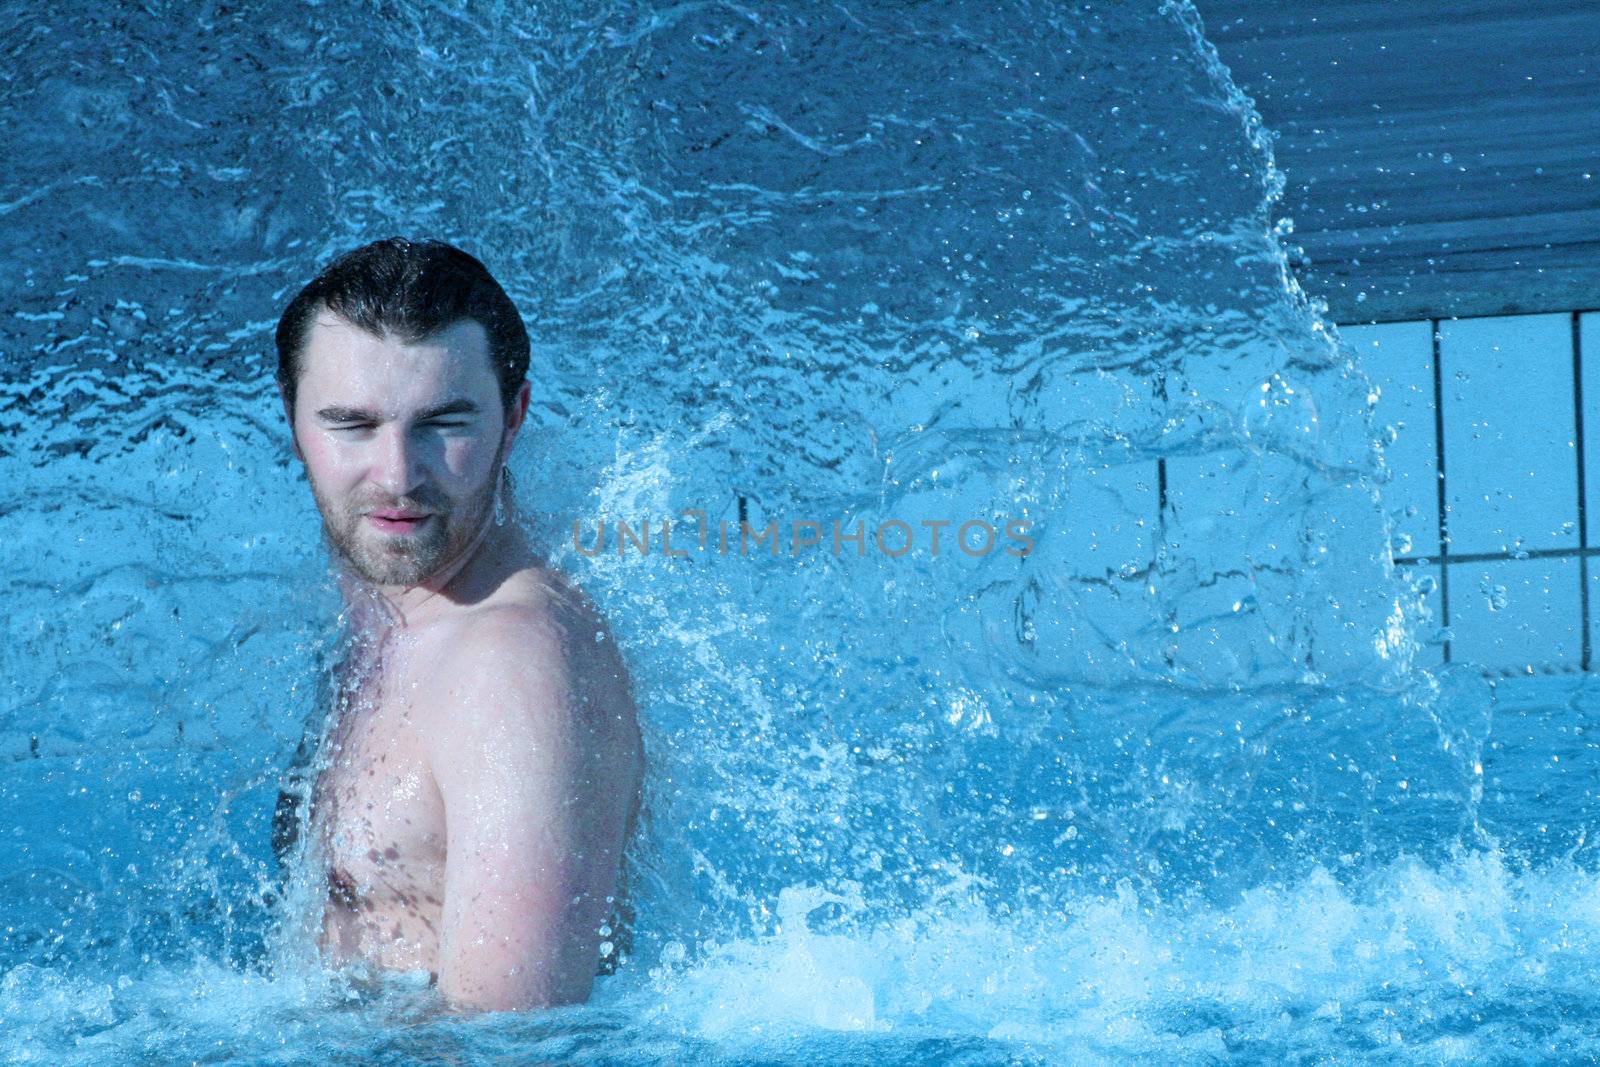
x: 482, y: 776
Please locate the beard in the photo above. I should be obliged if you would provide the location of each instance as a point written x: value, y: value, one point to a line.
x: 410, y: 558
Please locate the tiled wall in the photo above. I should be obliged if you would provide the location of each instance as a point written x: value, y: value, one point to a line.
x: 1489, y: 418
x: 1493, y: 478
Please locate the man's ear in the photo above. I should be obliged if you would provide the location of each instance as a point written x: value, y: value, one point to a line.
x: 518, y: 412
x: 288, y: 411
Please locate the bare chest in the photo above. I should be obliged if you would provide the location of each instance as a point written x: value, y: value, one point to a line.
x: 380, y: 821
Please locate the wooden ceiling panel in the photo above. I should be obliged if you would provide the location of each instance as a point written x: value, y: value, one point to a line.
x: 1440, y: 159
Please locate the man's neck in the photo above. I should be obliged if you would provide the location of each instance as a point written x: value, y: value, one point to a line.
x: 495, y: 555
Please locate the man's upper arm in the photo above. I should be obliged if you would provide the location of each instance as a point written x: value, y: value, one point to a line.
x: 512, y: 760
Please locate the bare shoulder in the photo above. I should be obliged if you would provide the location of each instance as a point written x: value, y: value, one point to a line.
x: 540, y: 632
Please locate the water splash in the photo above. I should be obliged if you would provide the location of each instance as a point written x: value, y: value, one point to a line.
x: 855, y: 263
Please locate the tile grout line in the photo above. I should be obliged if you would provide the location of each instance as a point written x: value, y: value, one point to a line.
x: 1583, y: 518
x: 1438, y: 462
x: 1499, y: 556
x: 1343, y: 323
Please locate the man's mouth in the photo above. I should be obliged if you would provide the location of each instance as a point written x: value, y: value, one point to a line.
x: 397, y: 521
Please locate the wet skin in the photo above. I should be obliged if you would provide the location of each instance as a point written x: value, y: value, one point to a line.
x: 482, y: 776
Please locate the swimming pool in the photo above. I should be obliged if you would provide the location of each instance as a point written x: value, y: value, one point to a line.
x: 1172, y: 785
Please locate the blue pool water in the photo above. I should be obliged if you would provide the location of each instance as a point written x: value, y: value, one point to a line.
x: 1170, y: 786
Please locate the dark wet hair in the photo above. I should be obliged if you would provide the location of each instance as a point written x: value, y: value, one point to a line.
x: 410, y: 289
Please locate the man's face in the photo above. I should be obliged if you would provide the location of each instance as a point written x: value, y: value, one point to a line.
x: 401, y: 444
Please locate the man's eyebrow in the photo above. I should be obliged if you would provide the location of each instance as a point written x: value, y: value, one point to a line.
x: 461, y: 406
x: 336, y: 413
x: 339, y: 414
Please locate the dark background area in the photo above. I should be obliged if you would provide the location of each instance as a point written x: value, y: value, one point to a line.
x: 1440, y: 159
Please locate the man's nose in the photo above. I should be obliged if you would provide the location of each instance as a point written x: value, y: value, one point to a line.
x: 397, y: 469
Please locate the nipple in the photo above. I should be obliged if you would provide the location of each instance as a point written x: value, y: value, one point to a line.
x: 342, y: 888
